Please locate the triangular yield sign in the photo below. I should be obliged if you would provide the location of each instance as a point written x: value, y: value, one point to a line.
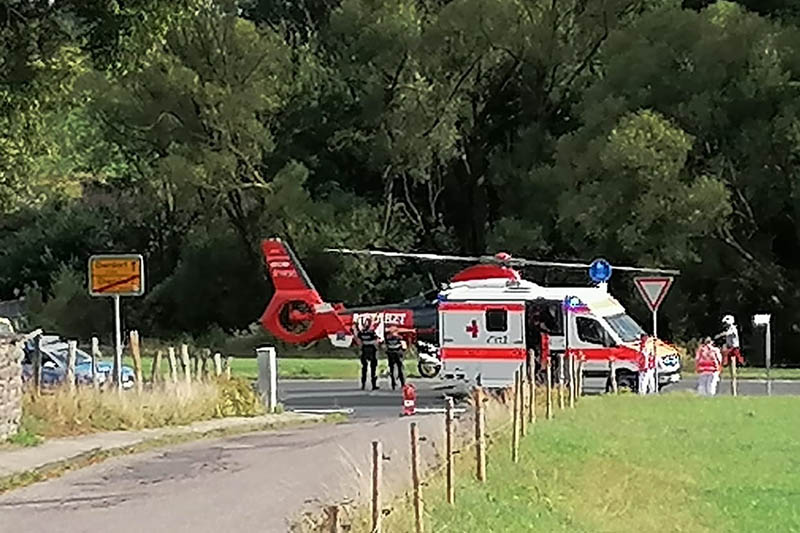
x: 653, y: 290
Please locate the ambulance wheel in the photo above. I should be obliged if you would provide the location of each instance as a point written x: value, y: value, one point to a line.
x: 628, y: 381
x: 428, y: 370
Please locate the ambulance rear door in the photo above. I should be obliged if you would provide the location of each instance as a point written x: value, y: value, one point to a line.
x: 482, y: 341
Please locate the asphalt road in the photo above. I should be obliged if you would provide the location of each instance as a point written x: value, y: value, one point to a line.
x: 431, y: 393
x: 256, y: 483
x: 347, y: 395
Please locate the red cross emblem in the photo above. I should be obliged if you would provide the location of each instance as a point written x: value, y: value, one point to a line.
x: 473, y: 328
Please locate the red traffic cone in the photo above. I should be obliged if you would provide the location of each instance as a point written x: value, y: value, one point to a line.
x: 409, y: 400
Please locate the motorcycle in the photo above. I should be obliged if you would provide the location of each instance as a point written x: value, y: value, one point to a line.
x: 428, y: 362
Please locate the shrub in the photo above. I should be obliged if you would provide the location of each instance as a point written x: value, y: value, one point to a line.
x: 237, y: 397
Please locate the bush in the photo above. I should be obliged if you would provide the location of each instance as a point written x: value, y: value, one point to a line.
x: 237, y: 397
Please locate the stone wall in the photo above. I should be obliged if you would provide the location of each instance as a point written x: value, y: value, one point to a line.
x: 10, y: 387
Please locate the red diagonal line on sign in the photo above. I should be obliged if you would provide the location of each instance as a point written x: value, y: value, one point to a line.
x: 119, y: 282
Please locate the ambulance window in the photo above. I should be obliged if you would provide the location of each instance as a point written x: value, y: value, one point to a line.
x: 496, y: 320
x: 589, y: 330
x: 554, y: 319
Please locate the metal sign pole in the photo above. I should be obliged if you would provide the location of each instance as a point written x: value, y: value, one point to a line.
x: 655, y: 349
x: 766, y: 321
x: 768, y: 356
x: 118, y: 343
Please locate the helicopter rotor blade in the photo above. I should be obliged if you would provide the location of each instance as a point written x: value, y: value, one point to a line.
x: 643, y: 270
x: 406, y: 255
x: 513, y: 261
x: 557, y: 264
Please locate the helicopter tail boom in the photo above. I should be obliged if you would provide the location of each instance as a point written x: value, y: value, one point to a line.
x: 296, y: 314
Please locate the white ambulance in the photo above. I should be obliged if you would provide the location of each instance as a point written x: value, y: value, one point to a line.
x: 486, y: 326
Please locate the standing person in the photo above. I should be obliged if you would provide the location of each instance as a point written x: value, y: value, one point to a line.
x: 647, y: 366
x: 731, y: 335
x: 708, y: 362
x: 367, y: 338
x: 537, y: 334
x: 395, y: 348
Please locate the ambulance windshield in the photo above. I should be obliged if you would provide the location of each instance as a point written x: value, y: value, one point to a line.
x: 626, y: 327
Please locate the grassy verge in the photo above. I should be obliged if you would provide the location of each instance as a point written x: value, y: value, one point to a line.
x: 296, y: 368
x: 761, y: 373
x: 669, y: 463
x: 58, y: 469
x: 63, y: 413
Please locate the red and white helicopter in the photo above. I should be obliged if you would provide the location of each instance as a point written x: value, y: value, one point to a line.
x: 480, y: 324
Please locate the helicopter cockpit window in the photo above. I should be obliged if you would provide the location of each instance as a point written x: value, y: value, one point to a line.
x: 496, y: 320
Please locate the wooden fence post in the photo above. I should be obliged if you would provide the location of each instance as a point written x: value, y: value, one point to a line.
x: 612, y: 366
x: 522, y: 402
x: 155, y: 373
x: 95, y: 357
x: 195, y: 358
x: 573, y: 385
x: 532, y: 392
x: 549, y: 387
x: 480, y: 435
x: 228, y: 365
x: 377, y: 467
x: 37, y: 366
x: 734, y: 384
x: 448, y: 430
x: 206, y: 363
x: 217, y: 364
x: 415, y: 478
x: 515, y: 423
x: 173, y: 365
x: 187, y: 365
x: 72, y: 348
x: 137, y: 359
x: 334, y: 523
x: 561, y: 380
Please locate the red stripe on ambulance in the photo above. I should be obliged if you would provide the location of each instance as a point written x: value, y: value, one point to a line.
x: 507, y: 354
x: 471, y: 307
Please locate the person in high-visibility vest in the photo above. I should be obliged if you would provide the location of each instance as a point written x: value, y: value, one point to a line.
x: 708, y: 363
x: 731, y: 335
x: 647, y: 366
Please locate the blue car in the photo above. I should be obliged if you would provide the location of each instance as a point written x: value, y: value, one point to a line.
x: 54, y: 365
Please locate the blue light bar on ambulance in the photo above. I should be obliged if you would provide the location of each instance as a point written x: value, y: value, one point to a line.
x: 572, y: 302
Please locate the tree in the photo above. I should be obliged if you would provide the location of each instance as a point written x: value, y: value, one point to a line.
x: 40, y: 117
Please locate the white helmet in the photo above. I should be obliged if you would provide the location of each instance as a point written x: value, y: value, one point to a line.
x: 728, y: 320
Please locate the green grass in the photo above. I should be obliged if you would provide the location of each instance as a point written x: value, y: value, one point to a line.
x: 23, y: 438
x: 627, y: 464
x: 295, y: 368
x: 761, y: 373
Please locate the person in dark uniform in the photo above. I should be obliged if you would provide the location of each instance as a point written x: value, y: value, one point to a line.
x: 367, y: 338
x: 533, y: 339
x: 395, y: 348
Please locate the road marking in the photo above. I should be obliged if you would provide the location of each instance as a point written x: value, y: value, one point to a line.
x: 323, y: 411
x: 437, y: 410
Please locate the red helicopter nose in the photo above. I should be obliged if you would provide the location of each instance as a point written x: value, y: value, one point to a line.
x: 502, y: 256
